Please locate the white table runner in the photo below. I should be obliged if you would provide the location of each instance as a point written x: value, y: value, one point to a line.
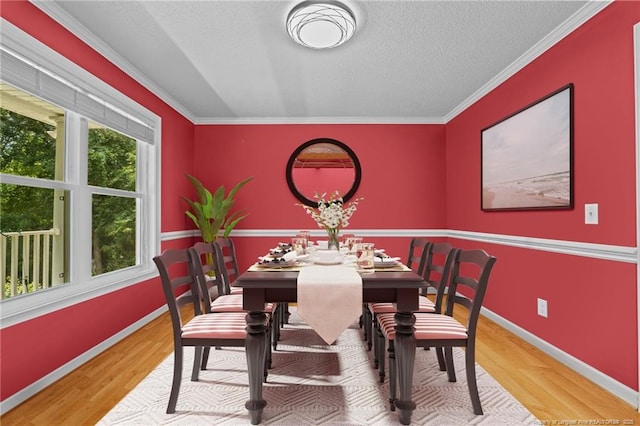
x: 329, y: 298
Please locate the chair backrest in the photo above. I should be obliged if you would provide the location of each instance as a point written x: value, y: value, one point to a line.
x: 417, y: 254
x: 227, y: 261
x: 437, y: 269
x: 468, y: 285
x: 175, y: 273
x: 204, y: 267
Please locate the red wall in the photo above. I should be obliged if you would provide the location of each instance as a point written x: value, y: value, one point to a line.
x: 65, y: 334
x: 396, y: 159
x: 433, y: 185
x: 402, y: 175
x: 592, y: 303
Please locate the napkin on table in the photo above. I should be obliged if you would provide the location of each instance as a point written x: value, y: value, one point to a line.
x: 290, y: 256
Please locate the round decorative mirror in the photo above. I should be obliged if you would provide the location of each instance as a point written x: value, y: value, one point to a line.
x: 322, y: 166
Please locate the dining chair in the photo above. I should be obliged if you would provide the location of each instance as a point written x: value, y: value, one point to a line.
x: 416, y: 257
x: 204, y: 329
x: 418, y: 248
x: 436, y: 271
x: 229, y: 262
x: 207, y: 266
x: 467, y: 288
x: 226, y: 250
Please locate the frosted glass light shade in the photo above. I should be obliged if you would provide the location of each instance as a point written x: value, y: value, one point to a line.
x: 321, y: 24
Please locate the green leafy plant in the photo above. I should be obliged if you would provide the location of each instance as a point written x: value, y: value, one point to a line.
x: 211, y: 213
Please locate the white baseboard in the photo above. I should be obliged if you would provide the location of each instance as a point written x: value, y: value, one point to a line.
x: 26, y: 393
x: 618, y: 389
x: 599, y: 378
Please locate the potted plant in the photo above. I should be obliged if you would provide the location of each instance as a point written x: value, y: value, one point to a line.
x: 211, y: 213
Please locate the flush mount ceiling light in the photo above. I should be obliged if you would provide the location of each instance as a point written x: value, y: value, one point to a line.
x: 321, y: 24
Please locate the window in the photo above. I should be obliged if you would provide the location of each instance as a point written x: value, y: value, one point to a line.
x: 79, y: 211
x: 30, y: 237
x: 112, y: 165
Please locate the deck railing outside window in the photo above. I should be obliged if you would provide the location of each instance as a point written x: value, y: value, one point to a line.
x: 26, y: 261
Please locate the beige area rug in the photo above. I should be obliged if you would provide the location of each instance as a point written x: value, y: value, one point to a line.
x: 312, y: 383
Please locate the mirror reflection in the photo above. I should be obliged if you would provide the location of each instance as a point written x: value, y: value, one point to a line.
x: 323, y: 166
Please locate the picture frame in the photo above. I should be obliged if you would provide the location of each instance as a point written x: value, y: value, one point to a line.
x: 527, y: 157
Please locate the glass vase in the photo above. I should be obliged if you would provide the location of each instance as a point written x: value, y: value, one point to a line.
x: 334, y: 239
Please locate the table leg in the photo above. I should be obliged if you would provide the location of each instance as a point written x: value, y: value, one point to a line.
x: 256, y: 345
x: 405, y: 351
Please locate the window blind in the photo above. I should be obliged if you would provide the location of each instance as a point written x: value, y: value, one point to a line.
x: 36, y: 80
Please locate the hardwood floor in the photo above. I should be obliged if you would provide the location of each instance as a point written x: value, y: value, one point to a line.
x: 547, y: 388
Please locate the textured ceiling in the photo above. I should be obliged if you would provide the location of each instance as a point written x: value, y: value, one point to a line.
x: 233, y: 61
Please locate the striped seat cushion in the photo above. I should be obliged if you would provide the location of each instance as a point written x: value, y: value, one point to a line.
x: 424, y: 305
x: 232, y: 303
x: 427, y: 327
x: 219, y: 325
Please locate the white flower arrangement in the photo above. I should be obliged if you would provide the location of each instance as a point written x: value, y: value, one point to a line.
x: 332, y: 214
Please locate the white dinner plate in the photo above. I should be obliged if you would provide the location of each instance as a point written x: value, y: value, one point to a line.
x: 382, y: 265
x: 389, y: 262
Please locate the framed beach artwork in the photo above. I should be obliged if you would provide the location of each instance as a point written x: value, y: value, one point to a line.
x: 527, y: 157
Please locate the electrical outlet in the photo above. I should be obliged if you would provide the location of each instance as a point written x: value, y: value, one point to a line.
x: 591, y: 214
x: 542, y: 308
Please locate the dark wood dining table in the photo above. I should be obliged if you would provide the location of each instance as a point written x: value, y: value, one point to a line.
x: 260, y: 287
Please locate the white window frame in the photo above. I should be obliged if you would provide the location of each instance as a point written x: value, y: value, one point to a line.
x: 81, y: 285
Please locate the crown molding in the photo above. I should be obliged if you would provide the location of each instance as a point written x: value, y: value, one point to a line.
x: 320, y: 120
x: 62, y: 17
x: 83, y: 33
x: 567, y: 27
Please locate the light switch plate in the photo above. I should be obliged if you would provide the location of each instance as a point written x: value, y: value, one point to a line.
x: 591, y: 214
